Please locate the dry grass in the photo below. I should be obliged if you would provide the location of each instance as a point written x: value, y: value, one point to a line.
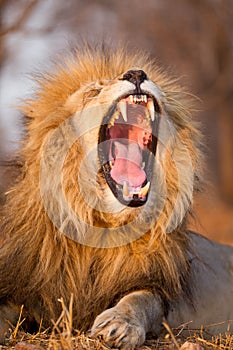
x: 63, y: 337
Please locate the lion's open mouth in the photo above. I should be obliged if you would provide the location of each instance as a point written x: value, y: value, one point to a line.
x: 127, y: 146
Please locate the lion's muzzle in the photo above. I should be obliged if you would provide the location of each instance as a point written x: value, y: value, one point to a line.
x: 127, y: 143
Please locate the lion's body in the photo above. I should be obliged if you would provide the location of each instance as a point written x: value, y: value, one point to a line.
x: 212, y: 276
x: 46, y: 253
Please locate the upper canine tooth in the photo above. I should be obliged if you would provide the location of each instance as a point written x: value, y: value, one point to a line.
x: 144, y: 190
x: 150, y: 106
x: 123, y: 110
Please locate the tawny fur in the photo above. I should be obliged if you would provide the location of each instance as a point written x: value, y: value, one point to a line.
x: 38, y: 264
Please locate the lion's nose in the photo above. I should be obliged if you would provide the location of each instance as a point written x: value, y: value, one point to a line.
x: 136, y: 77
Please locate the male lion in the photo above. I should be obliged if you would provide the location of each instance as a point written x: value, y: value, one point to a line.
x: 110, y: 163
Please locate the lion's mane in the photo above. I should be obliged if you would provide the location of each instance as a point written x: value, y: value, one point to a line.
x: 38, y: 263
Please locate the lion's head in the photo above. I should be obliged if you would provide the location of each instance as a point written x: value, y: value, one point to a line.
x: 118, y: 149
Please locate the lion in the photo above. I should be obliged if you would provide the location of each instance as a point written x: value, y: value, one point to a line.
x: 111, y: 159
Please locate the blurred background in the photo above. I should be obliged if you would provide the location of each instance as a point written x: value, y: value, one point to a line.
x: 191, y: 38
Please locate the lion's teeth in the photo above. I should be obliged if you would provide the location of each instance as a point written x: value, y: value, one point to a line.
x: 144, y: 190
x: 111, y: 123
x: 137, y: 98
x: 125, y: 189
x: 151, y: 108
x: 147, y: 114
x: 113, y: 119
x: 123, y: 110
x: 131, y: 98
x: 116, y: 115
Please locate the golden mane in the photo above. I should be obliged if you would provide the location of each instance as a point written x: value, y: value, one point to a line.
x: 46, y: 264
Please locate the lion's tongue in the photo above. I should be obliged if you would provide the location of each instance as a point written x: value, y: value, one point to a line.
x: 127, y: 163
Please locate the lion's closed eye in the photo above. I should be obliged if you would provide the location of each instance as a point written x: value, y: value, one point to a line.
x: 91, y: 93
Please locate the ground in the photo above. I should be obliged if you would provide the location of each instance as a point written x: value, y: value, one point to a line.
x: 64, y: 337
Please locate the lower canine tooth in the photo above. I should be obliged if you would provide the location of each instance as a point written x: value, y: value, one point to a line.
x: 125, y: 189
x: 150, y: 106
x: 145, y: 189
x: 123, y: 110
x: 147, y: 113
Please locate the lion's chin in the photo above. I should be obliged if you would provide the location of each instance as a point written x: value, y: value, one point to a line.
x: 127, y: 146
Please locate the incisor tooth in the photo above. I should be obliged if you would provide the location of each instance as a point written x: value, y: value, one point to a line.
x: 150, y: 106
x: 125, y: 189
x: 123, y: 110
x: 144, y: 190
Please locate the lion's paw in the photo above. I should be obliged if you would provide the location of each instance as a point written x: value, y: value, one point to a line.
x: 118, y: 330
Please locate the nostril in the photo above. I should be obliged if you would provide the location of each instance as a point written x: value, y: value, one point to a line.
x: 135, y: 76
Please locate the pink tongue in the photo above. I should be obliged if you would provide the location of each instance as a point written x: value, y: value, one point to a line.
x: 127, y: 163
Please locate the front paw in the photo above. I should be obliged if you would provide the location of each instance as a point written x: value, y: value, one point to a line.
x: 118, y: 330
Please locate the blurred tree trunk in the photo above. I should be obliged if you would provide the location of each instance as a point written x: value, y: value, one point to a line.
x: 1, y: 55
x: 226, y: 153
x: 220, y: 96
